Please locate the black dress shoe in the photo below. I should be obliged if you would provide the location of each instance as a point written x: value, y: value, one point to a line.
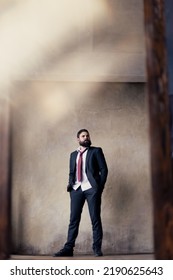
x: 64, y: 253
x: 98, y: 253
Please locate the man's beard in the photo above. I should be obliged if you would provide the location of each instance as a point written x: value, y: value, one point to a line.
x: 86, y: 143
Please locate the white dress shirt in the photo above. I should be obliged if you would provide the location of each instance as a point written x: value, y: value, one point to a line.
x: 85, y: 184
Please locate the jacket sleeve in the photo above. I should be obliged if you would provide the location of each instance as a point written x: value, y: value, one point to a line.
x: 103, y: 169
x: 71, y: 170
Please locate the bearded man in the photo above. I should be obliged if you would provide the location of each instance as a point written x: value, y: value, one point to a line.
x: 87, y: 178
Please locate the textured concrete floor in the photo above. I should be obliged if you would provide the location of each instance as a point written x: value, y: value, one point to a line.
x: 86, y: 257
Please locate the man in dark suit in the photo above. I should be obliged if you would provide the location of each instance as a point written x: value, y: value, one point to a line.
x: 87, y: 178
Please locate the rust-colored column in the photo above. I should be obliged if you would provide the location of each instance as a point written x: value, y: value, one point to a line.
x: 5, y: 193
x: 158, y: 103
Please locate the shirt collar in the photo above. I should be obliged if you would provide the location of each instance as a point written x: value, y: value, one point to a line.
x: 79, y: 150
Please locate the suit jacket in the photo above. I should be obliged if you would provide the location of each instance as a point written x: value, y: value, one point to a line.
x: 96, y: 167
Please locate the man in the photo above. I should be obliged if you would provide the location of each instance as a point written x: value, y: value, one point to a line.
x: 87, y: 177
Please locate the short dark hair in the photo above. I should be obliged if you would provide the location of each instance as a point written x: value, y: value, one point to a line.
x: 82, y: 130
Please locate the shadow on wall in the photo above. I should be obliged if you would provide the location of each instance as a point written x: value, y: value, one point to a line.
x: 71, y: 45
x: 128, y: 227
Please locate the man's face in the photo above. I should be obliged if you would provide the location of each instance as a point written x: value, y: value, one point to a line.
x: 84, y: 139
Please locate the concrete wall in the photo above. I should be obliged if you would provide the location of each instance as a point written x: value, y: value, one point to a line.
x: 88, y: 72
x: 45, y: 123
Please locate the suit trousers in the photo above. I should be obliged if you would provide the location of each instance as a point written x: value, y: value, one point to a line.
x: 78, y: 198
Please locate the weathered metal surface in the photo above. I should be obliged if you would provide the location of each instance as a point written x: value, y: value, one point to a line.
x: 158, y: 104
x: 5, y: 199
x: 169, y: 45
x: 169, y: 41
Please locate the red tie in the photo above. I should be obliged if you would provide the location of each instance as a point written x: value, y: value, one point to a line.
x: 79, y: 167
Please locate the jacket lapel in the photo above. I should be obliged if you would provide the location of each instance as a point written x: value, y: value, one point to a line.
x: 88, y: 156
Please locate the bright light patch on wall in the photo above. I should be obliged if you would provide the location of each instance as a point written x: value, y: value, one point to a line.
x: 33, y: 34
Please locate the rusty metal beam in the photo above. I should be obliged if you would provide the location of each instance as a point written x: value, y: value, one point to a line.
x: 5, y: 192
x: 169, y: 41
x: 159, y: 115
x: 169, y: 44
